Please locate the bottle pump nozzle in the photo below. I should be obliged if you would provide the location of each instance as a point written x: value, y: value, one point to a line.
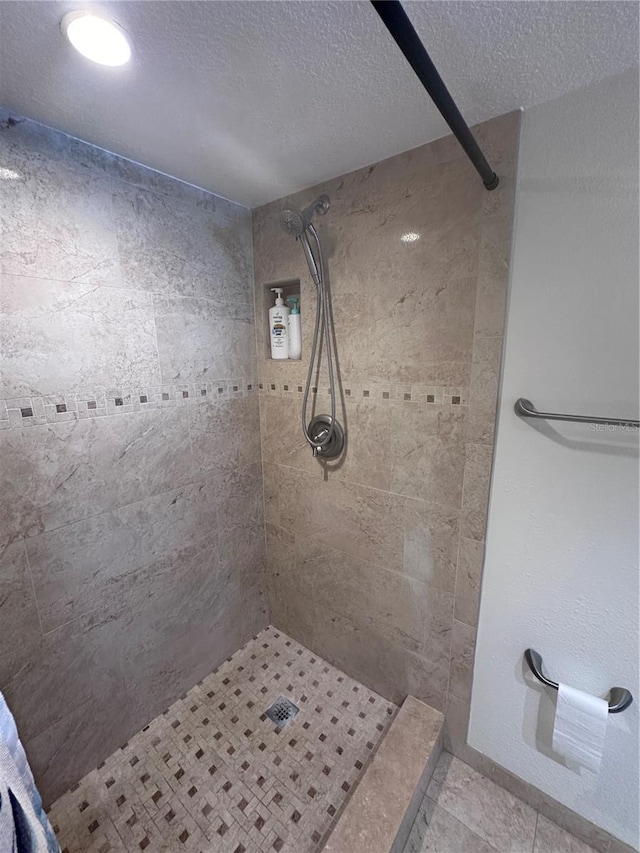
x: 278, y: 292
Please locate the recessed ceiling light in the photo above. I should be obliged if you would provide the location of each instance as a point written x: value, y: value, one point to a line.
x: 9, y: 174
x: 410, y: 237
x: 99, y: 39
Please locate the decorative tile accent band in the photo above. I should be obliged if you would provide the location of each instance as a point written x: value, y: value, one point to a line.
x: 374, y: 392
x: 20, y: 412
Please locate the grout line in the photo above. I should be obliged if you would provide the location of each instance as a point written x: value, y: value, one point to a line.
x: 205, y: 476
x: 371, y: 488
x: 453, y: 619
x: 535, y: 832
x: 33, y: 586
x: 165, y: 294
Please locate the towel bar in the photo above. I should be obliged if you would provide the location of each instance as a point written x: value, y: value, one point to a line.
x: 619, y: 697
x: 525, y: 409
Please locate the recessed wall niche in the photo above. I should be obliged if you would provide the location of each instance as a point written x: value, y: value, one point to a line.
x: 290, y: 287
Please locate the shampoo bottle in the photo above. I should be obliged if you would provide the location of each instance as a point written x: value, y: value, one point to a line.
x: 295, y: 332
x: 279, y: 327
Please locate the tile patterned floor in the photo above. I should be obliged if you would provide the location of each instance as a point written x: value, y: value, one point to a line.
x: 214, y: 774
x: 464, y: 812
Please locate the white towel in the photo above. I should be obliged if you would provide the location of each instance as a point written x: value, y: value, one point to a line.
x: 580, y: 726
x: 7, y: 824
x: 24, y: 826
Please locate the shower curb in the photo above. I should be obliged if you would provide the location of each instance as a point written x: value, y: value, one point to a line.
x: 381, y: 812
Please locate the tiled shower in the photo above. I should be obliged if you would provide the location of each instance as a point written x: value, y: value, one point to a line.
x: 138, y: 423
x: 174, y: 559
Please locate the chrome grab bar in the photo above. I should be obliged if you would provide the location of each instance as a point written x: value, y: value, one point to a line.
x: 525, y: 409
x: 619, y: 697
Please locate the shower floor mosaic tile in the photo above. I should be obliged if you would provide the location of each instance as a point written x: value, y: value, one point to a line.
x: 213, y: 773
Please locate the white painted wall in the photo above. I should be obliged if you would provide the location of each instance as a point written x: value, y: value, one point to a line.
x: 561, y: 572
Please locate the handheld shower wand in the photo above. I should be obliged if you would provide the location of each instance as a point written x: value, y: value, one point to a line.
x: 324, y: 434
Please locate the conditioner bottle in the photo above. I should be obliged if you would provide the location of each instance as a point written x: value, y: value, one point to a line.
x: 295, y: 332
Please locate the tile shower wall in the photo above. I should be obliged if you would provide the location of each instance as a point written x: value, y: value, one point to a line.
x: 375, y: 562
x: 131, y: 514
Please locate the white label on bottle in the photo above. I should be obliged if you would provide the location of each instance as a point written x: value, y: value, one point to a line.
x: 279, y: 331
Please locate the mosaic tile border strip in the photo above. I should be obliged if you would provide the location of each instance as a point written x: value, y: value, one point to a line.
x: 20, y: 412
x: 374, y: 392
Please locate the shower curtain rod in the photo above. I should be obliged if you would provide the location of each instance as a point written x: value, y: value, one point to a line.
x: 397, y: 22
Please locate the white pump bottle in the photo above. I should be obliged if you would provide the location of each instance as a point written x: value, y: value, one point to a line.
x: 279, y: 327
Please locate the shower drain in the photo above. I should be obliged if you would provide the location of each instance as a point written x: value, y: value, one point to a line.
x: 282, y: 711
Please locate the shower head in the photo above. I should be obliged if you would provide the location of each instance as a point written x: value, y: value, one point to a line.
x: 292, y: 222
x: 296, y: 222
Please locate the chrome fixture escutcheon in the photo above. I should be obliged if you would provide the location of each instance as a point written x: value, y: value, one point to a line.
x: 319, y: 429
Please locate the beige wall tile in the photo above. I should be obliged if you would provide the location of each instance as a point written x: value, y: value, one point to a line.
x: 367, y: 458
x: 428, y: 322
x: 362, y: 592
x: 54, y: 681
x: 239, y: 500
x: 281, y: 547
x: 493, y: 260
x: 363, y: 522
x: 475, y: 500
x: 59, y: 473
x: 282, y: 438
x: 20, y: 628
x: 100, y: 333
x: 485, y: 375
x: 620, y: 847
x: 469, y: 575
x: 400, y: 609
x: 225, y: 434
x: 430, y: 543
x: 355, y: 324
x: 427, y: 453
x: 389, y: 668
x: 187, y: 349
x: 72, y: 728
x: 462, y: 649
x: 73, y: 567
x: 456, y: 725
x: 59, y: 221
x: 499, y: 139
x: 271, y: 485
x: 438, y: 626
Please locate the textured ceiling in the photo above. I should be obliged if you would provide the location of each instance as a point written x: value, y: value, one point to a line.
x: 253, y: 100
